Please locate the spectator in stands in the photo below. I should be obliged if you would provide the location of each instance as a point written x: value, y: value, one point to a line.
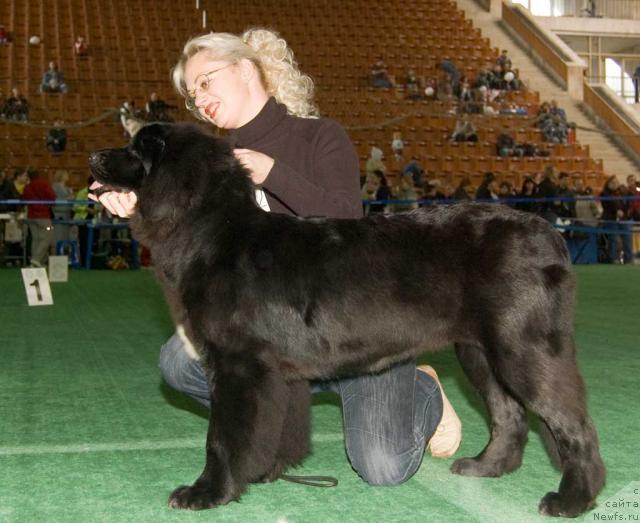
x: 432, y: 193
x: 4, y: 35
x: 504, y: 61
x: 497, y: 83
x: 415, y: 170
x: 6, y: 191
x: 369, y: 189
x: 383, y: 193
x: 3, y: 103
x: 53, y: 80
x: 613, y: 219
x: 547, y: 189
x: 397, y: 146
x: 505, y: 144
x: 12, y: 233
x: 444, y: 88
x: 453, y: 73
x: 80, y: 47
x: 61, y: 231
x: 488, y: 189
x: 431, y: 89
x: 558, y: 111
x: 636, y: 84
x: 406, y: 191
x: 578, y: 186
x: 379, y: 76
x: 511, y: 81
x: 16, y: 107
x: 130, y: 118
x: 81, y: 213
x: 479, y: 104
x: 633, y: 206
x: 465, y: 130
x: 412, y: 85
x: 374, y: 162
x: 587, y: 210
x: 567, y: 206
x: 57, y: 137
x: 39, y: 218
x: 553, y: 128
x: 20, y: 181
x: 484, y: 75
x: 465, y: 96
x: 157, y: 110
x: 507, y: 193
x: 528, y: 191
x: 256, y: 115
x: 464, y: 191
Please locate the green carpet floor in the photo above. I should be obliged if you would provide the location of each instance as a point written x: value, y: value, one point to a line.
x: 88, y: 433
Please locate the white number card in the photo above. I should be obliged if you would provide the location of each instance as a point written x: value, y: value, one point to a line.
x: 58, y: 268
x: 36, y: 285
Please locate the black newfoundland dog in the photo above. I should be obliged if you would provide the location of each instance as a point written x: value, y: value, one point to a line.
x: 271, y: 301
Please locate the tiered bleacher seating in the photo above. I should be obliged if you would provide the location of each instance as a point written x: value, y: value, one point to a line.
x: 134, y: 44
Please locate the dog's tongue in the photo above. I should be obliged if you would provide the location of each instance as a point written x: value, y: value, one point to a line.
x: 97, y: 189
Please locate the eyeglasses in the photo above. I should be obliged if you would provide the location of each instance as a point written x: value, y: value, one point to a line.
x: 203, y: 82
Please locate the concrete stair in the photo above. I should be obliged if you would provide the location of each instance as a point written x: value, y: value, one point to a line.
x: 614, y: 159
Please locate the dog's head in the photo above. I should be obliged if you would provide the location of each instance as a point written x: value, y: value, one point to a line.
x: 171, y: 168
x: 126, y: 168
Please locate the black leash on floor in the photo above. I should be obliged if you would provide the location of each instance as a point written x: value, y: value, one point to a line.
x: 312, y: 481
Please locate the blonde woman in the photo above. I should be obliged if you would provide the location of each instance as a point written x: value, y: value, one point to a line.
x: 302, y: 165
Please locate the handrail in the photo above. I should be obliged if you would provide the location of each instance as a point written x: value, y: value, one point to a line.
x: 569, y: 69
x: 611, y: 116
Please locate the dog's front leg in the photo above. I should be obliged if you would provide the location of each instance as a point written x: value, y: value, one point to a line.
x: 248, y: 408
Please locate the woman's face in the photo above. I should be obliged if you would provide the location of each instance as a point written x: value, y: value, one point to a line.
x: 222, y: 96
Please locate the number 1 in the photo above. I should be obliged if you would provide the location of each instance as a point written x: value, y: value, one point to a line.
x: 36, y: 284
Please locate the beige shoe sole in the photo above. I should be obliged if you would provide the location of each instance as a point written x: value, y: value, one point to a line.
x: 446, y: 439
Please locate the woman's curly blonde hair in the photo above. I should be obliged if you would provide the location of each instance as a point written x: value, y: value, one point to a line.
x: 272, y: 57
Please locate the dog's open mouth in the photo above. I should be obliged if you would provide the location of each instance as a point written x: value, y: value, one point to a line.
x: 104, y: 188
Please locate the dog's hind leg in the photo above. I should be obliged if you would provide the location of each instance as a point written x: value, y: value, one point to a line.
x: 296, y: 431
x: 248, y: 407
x: 508, y: 421
x: 551, y: 386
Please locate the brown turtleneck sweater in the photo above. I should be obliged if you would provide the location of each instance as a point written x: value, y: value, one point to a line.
x: 315, y: 170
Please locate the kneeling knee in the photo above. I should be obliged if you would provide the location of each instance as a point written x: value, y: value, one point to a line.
x: 380, y: 464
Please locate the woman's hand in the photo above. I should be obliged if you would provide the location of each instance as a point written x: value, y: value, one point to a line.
x: 258, y: 164
x: 121, y: 204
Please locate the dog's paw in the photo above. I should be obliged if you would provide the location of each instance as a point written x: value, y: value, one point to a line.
x: 196, y: 497
x: 474, y: 467
x: 553, y: 504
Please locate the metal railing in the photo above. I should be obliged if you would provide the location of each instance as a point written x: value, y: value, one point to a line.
x: 627, y: 9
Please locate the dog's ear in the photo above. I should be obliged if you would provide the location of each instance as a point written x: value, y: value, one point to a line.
x: 151, y: 148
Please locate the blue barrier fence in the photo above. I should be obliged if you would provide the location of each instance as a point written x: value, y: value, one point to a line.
x: 569, y: 225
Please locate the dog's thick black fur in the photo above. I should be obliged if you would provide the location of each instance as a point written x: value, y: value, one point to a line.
x: 271, y: 301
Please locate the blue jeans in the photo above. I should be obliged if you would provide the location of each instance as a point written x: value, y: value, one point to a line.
x: 388, y: 418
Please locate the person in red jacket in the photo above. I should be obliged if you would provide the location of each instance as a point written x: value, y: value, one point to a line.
x: 39, y: 218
